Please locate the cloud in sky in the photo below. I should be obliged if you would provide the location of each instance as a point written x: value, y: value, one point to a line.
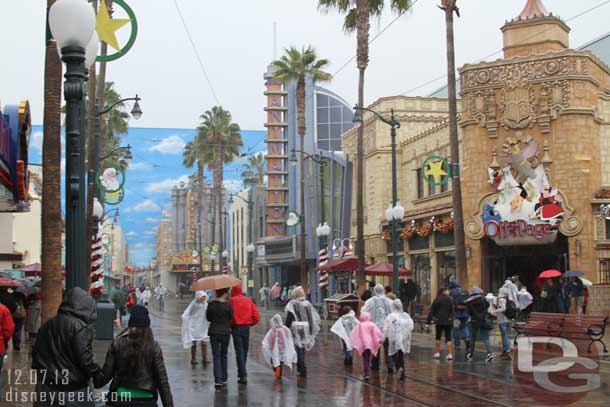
x: 139, y: 245
x: 36, y: 141
x: 170, y: 145
x: 166, y: 185
x: 62, y: 166
x: 139, y: 166
x: 152, y: 220
x: 147, y: 205
x: 131, y: 234
x: 233, y: 186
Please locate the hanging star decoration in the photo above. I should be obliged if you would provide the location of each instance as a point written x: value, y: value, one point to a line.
x: 107, y: 27
x: 435, y: 170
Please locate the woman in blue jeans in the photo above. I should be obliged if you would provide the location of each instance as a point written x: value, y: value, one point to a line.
x: 220, y: 314
x: 503, y: 321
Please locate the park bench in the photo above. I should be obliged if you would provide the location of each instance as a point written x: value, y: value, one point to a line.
x: 568, y: 326
x: 420, y: 317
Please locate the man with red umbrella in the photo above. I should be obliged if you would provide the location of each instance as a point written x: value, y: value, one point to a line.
x: 550, y: 295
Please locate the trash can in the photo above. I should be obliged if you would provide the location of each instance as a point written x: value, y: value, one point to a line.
x: 104, y: 326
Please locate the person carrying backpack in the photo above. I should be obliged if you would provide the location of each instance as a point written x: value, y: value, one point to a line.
x: 506, y: 311
x: 460, y: 322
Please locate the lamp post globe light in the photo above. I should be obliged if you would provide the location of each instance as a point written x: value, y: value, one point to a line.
x: 395, y: 212
x: 72, y: 23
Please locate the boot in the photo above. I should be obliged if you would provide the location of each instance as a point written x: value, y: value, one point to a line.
x: 204, y: 353
x: 437, y: 350
x: 193, y: 355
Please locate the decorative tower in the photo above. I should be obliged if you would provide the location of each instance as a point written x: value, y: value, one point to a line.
x: 277, y: 155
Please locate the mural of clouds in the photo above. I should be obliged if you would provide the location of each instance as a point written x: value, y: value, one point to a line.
x: 140, y: 166
x: 171, y: 145
x: 233, y: 186
x: 36, y: 141
x: 147, y: 205
x: 152, y: 220
x: 166, y: 185
x: 131, y: 234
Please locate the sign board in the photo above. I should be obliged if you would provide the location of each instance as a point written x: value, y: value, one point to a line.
x: 520, y: 232
x: 260, y: 250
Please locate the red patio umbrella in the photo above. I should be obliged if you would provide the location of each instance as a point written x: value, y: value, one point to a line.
x: 7, y: 282
x: 344, y: 264
x: 386, y: 269
x: 550, y: 274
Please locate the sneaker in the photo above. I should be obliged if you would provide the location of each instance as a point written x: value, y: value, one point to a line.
x: 506, y: 356
x: 436, y: 355
x: 490, y: 357
x: 243, y: 380
x: 469, y: 356
x: 449, y: 357
x: 218, y: 386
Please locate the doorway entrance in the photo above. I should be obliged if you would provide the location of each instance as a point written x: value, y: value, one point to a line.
x: 501, y: 262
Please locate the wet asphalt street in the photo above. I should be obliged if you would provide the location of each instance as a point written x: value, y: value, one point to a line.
x: 329, y: 383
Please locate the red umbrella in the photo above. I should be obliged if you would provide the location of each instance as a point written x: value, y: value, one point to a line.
x: 7, y: 282
x: 344, y: 264
x: 550, y: 274
x: 386, y: 269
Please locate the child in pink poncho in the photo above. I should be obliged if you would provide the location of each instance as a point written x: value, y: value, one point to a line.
x: 366, y: 338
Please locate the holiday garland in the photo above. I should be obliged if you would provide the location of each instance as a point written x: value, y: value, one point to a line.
x: 424, y: 230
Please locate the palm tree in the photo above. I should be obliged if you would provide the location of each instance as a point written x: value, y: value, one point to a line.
x: 358, y: 13
x: 297, y: 65
x: 195, y: 153
x: 449, y: 7
x: 51, y: 221
x: 254, y: 170
x: 222, y: 140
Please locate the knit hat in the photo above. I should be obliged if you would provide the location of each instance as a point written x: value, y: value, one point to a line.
x: 138, y: 317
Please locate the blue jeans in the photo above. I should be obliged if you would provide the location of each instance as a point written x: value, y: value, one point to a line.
x: 241, y: 340
x: 220, y: 347
x: 161, y: 303
x: 473, y: 340
x: 504, y: 327
x: 463, y: 332
x: 300, y: 360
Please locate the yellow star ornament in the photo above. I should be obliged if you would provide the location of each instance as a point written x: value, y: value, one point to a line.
x: 107, y: 27
x: 435, y: 169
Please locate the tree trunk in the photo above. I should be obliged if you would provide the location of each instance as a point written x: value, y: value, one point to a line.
x: 458, y: 215
x: 362, y: 61
x: 51, y: 221
x: 213, y: 202
x: 199, y: 222
x: 91, y: 158
x: 220, y: 208
x: 301, y: 130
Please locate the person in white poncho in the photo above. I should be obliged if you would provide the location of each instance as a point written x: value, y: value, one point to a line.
x: 195, y: 327
x: 397, y: 329
x: 304, y: 322
x: 278, y: 346
x: 379, y: 306
x: 342, y: 328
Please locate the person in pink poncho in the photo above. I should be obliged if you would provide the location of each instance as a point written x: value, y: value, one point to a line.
x: 366, y: 338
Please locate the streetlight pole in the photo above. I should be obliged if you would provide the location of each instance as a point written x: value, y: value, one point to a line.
x: 394, y: 214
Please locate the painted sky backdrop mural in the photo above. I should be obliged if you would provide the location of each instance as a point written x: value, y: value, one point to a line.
x: 155, y: 169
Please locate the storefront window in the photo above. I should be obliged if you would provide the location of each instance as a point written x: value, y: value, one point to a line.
x: 418, y: 243
x: 421, y: 274
x: 446, y: 267
x: 420, y: 183
x: 443, y: 239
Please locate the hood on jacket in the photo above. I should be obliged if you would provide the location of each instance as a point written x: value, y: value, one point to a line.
x: 476, y: 291
x: 236, y: 290
x: 454, y: 284
x: 200, y: 294
x: 277, y: 321
x: 365, y: 316
x: 79, y: 304
x: 379, y: 290
x: 503, y: 292
x: 299, y: 293
x: 397, y: 306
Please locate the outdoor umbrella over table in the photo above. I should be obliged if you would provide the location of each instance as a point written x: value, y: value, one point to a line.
x: 386, y: 269
x: 215, y: 282
x: 550, y: 274
x: 573, y: 273
x: 8, y: 282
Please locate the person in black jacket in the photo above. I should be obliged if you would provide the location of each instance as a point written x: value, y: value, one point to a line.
x: 480, y: 325
x: 442, y: 312
x: 63, y: 355
x: 220, y: 314
x: 134, y: 363
x: 368, y: 293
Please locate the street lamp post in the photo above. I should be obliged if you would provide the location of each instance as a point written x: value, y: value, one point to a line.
x: 250, y: 251
x: 72, y: 23
x: 318, y: 160
x: 395, y: 206
x: 323, y: 231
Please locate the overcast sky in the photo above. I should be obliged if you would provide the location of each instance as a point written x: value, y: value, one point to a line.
x: 235, y: 41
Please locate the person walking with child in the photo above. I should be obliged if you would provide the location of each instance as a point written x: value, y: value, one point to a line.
x: 304, y: 322
x: 366, y: 338
x: 342, y: 328
x: 220, y: 314
x: 278, y: 347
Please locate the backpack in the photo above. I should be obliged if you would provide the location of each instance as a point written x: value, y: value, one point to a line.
x: 460, y: 298
x: 511, y: 309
